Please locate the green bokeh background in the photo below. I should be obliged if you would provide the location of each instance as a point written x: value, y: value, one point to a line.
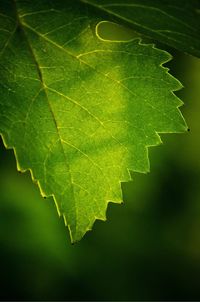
x: 149, y: 249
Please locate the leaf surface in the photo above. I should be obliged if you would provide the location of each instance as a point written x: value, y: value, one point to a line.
x: 175, y: 23
x: 78, y: 111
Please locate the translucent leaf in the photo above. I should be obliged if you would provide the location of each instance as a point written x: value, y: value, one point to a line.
x: 80, y: 112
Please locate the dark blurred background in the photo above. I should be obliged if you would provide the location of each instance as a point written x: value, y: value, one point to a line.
x: 149, y: 249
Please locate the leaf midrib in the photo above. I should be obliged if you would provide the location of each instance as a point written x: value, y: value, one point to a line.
x: 44, y: 88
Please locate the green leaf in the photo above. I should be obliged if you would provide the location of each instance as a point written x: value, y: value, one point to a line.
x: 175, y: 23
x: 78, y: 111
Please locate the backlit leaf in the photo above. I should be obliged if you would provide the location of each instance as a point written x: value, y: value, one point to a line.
x: 80, y: 112
x: 176, y: 23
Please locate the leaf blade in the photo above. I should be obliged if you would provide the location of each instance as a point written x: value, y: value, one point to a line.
x: 79, y: 112
x: 175, y: 24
